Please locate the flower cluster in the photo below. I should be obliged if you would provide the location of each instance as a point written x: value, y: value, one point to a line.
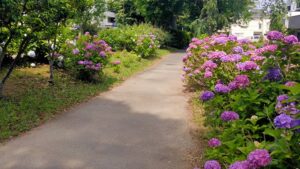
x: 146, y: 45
x: 88, y: 56
x: 246, y: 77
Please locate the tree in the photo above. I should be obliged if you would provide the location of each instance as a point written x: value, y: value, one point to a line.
x: 219, y: 14
x: 277, y: 11
x: 88, y: 13
x: 162, y: 13
x: 25, y: 22
x: 126, y: 11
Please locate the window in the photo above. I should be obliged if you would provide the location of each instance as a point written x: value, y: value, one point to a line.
x: 298, y: 6
x: 289, y: 8
x: 111, y: 20
x: 259, y: 26
x: 257, y: 35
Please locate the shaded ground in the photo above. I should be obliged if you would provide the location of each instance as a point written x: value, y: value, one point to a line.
x: 142, y: 124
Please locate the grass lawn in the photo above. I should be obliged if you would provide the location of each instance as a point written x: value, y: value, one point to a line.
x: 30, y: 101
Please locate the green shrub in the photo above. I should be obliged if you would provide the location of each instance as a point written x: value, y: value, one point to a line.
x: 127, y: 37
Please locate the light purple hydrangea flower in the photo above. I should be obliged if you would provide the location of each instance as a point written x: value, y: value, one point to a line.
x: 116, y: 62
x: 209, y: 65
x: 275, y: 35
x: 242, y: 81
x: 207, y: 95
x: 102, y: 54
x: 232, y: 38
x: 246, y: 66
x: 212, y: 164
x: 257, y: 58
x: 238, y: 49
x: 221, y: 40
x: 282, y: 97
x: 283, y: 121
x: 243, y: 41
x: 214, y: 142
x: 290, y: 84
x: 208, y: 74
x: 76, y: 51
x: 216, y: 55
x: 240, y: 165
x: 259, y: 158
x: 221, y: 88
x: 291, y: 39
x: 229, y: 116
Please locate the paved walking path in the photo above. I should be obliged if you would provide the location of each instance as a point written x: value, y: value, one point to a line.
x: 141, y: 124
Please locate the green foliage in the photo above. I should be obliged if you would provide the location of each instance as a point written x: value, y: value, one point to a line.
x: 126, y: 37
x: 216, y: 15
x: 277, y: 11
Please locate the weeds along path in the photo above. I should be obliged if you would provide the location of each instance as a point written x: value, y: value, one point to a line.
x: 141, y: 124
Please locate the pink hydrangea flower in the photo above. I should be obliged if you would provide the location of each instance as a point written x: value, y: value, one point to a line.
x: 246, y: 66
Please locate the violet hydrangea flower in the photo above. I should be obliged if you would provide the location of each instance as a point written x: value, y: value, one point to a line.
x: 221, y: 88
x: 275, y: 35
x: 274, y: 74
x: 229, y: 116
x: 216, y: 55
x: 76, y: 51
x: 238, y: 49
x: 212, y: 164
x: 246, y: 66
x: 283, y: 121
x: 259, y: 158
x: 240, y: 165
x: 209, y: 64
x: 214, y: 142
x: 207, y: 95
x: 291, y: 39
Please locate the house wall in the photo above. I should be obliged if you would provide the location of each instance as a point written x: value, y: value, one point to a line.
x: 254, y: 29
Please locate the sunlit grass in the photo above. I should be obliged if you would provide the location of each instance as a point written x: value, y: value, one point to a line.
x: 30, y: 100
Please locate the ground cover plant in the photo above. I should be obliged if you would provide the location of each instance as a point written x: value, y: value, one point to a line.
x: 250, y: 94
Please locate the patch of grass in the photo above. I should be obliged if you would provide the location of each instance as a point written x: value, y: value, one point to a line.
x: 31, y: 101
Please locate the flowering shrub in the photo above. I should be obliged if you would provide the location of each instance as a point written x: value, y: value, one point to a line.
x: 251, y: 97
x: 147, y: 45
x: 88, y: 57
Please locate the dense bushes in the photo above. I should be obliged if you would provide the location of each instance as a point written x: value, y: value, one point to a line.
x: 251, y: 99
x: 130, y: 38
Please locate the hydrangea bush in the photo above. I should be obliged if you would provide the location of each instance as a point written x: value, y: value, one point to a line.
x: 251, y: 97
x: 147, y: 45
x: 87, y: 57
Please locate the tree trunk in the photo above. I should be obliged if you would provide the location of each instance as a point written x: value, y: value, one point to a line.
x: 22, y: 47
x: 1, y: 91
x: 2, y: 54
x: 51, y: 78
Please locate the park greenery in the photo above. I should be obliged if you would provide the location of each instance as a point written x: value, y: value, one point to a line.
x: 54, y: 54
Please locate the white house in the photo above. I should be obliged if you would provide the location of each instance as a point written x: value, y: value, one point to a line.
x: 253, y: 29
x: 109, y: 19
x: 293, y: 18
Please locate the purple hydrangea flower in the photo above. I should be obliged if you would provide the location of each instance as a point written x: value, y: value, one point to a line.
x: 116, y: 62
x: 231, y: 58
x: 232, y: 38
x: 209, y: 64
x: 208, y: 74
x: 221, y: 40
x: 76, y: 51
x: 267, y: 48
x: 290, y: 84
x: 244, y: 41
x: 291, y: 39
x: 212, y: 164
x: 238, y: 49
x: 283, y: 121
x: 214, y: 142
x: 246, y: 66
x: 274, y: 74
x: 282, y: 97
x: 242, y: 81
x: 240, y: 165
x: 229, y: 116
x: 207, y: 95
x: 259, y: 158
x: 275, y: 35
x: 220, y: 88
x: 102, y: 54
x: 216, y: 55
